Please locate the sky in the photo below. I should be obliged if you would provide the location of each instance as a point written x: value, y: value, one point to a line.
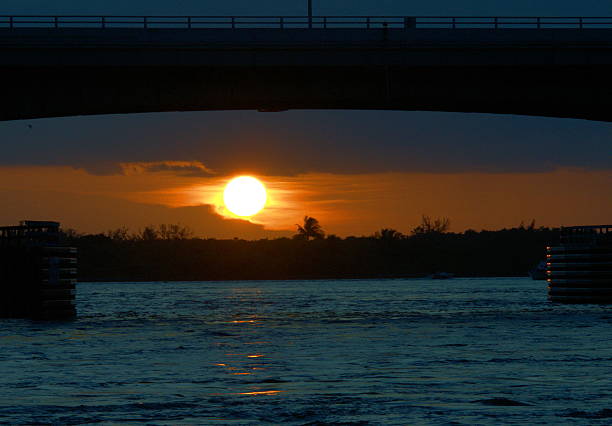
x: 356, y: 171
x: 321, y: 7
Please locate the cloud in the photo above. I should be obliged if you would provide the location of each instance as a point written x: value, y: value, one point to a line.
x: 95, y: 214
x: 356, y: 204
x: 299, y: 142
x: 179, y: 168
x: 361, y: 204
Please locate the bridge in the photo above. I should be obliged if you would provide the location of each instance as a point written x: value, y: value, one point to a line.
x: 54, y: 66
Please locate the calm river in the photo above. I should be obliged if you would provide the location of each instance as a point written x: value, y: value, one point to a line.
x: 468, y: 351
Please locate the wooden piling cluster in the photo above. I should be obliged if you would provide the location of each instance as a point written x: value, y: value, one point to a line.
x: 579, y: 270
x: 37, y: 272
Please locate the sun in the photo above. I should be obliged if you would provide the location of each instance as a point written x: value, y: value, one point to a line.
x: 245, y: 196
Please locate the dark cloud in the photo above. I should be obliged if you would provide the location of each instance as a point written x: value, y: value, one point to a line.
x: 95, y: 213
x: 296, y: 142
x: 179, y: 168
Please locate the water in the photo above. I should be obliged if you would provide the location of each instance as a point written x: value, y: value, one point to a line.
x: 311, y: 352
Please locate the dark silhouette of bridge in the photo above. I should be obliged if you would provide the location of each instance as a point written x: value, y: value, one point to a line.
x: 64, y: 66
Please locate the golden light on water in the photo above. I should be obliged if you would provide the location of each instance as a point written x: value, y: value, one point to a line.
x: 245, y: 196
x: 251, y: 362
x: 257, y: 393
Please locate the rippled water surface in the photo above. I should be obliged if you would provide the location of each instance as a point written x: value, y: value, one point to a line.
x: 468, y: 351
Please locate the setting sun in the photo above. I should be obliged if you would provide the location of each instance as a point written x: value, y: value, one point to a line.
x: 245, y: 196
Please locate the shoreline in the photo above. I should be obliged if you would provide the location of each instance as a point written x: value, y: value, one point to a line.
x: 299, y: 279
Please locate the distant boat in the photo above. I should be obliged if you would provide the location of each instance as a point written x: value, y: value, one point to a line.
x: 539, y: 272
x: 441, y: 276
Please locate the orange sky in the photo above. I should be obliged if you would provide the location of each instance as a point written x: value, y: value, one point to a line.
x: 151, y: 193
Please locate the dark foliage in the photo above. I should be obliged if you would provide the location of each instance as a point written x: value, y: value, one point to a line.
x: 310, y: 229
x: 149, y: 256
x: 435, y: 226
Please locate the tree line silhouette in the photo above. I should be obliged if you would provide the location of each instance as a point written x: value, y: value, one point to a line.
x: 172, y: 253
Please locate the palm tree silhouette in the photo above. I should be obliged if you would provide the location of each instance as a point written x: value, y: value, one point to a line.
x: 310, y: 229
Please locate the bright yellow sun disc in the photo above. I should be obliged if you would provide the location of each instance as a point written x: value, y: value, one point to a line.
x: 245, y: 196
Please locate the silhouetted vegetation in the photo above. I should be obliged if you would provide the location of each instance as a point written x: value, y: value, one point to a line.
x: 149, y: 233
x: 387, y: 234
x: 310, y: 229
x: 170, y: 253
x: 429, y: 226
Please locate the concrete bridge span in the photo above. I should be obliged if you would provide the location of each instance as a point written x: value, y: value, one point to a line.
x: 55, y: 72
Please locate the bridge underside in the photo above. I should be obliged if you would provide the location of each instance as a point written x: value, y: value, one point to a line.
x: 55, y: 73
x: 576, y: 92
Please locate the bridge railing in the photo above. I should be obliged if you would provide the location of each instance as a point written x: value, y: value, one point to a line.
x: 288, y: 22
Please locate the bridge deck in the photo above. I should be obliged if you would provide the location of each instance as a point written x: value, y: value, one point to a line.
x: 52, y: 72
x: 339, y: 47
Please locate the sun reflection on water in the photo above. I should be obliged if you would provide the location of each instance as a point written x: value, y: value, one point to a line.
x: 258, y: 393
x: 247, y: 357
